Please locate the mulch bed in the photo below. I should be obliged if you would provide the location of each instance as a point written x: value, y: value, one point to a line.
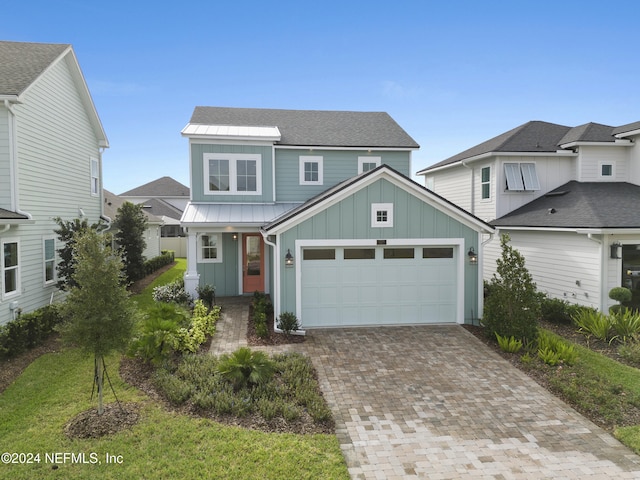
x: 116, y: 417
x: 272, y: 338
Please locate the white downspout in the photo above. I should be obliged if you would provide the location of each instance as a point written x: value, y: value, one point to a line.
x: 603, y: 272
x: 276, y: 279
x: 13, y: 164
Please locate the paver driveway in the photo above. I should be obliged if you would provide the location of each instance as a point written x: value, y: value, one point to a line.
x: 434, y: 402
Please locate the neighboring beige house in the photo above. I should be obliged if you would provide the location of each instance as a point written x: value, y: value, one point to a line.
x: 51, y: 144
x: 567, y: 196
x: 113, y: 202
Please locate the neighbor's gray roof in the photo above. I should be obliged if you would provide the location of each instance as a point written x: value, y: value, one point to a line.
x: 112, y: 202
x: 589, y: 132
x: 162, y: 187
x: 580, y: 205
x: 629, y: 127
x: 314, y: 127
x: 160, y: 208
x: 22, y: 63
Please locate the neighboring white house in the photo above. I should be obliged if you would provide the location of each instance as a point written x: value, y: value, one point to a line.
x: 151, y: 235
x: 51, y: 144
x: 567, y: 196
x: 165, y: 198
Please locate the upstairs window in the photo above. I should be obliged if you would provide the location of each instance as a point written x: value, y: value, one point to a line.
x: 232, y: 173
x: 486, y: 182
x: 311, y: 170
x: 368, y: 163
x: 10, y: 267
x: 95, y: 176
x: 49, y: 250
x: 521, y: 177
x: 381, y: 215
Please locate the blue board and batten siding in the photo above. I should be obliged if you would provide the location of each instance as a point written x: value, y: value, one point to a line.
x: 350, y: 219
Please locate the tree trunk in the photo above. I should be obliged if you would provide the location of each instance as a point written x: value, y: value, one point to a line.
x: 100, y: 382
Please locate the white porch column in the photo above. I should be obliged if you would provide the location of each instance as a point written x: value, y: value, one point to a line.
x: 191, y: 276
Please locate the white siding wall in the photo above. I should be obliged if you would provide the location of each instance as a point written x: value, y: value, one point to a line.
x: 484, y: 208
x: 152, y: 237
x: 55, y: 144
x: 454, y: 184
x: 634, y: 162
x: 592, y: 156
x: 552, y: 173
x: 558, y: 261
x: 5, y: 177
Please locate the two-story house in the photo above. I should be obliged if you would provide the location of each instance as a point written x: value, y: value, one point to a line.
x: 317, y: 209
x: 51, y: 144
x: 567, y: 196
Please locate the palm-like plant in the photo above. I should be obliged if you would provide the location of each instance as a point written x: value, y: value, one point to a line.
x: 245, y: 367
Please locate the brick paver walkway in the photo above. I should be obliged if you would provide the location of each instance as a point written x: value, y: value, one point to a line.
x: 434, y: 402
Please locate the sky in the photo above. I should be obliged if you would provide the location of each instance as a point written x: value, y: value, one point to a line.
x: 452, y: 73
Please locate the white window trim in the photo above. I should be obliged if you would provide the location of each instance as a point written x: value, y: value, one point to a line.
x: 375, y: 208
x: 218, y: 258
x: 44, y: 261
x: 363, y: 160
x: 613, y: 169
x: 311, y: 159
x: 482, y: 184
x: 16, y: 292
x: 233, y: 172
x: 94, y: 186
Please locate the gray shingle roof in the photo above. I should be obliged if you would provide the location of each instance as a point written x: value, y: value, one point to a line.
x: 9, y: 215
x: 314, y: 127
x: 162, y: 187
x: 580, y: 205
x: 21, y: 63
x: 629, y: 127
x: 160, y: 208
x: 112, y: 202
x: 534, y: 136
x: 589, y: 132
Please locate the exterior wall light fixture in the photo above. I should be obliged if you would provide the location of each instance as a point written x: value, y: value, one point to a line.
x: 288, y: 259
x: 473, y: 256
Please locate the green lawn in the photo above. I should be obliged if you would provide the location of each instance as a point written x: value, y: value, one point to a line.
x: 164, y: 444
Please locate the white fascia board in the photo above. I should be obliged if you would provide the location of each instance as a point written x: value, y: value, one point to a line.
x: 630, y: 133
x: 10, y: 98
x: 218, y: 141
x: 617, y: 143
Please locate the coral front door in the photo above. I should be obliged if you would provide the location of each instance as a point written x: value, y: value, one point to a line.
x: 252, y: 263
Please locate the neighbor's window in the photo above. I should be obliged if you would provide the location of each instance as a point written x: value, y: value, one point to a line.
x: 311, y: 170
x: 606, y: 169
x: 10, y: 267
x: 368, y: 163
x: 521, y: 177
x: 49, y: 250
x: 209, y: 248
x: 486, y: 182
x: 381, y: 215
x: 95, y: 176
x: 232, y: 173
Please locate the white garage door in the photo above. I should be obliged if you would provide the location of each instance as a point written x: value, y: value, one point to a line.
x: 378, y: 285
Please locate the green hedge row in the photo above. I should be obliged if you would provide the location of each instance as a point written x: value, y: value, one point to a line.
x: 28, y: 331
x: 156, y: 263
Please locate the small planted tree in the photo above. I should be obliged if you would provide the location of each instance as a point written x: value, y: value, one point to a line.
x: 512, y: 308
x: 99, y: 315
x: 131, y: 223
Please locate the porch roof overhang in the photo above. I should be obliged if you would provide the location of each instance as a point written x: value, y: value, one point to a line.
x: 233, y: 214
x: 7, y: 217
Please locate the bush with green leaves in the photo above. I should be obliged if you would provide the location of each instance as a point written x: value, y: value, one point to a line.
x: 207, y: 293
x: 158, y: 335
x: 554, y: 310
x: 173, y: 292
x: 28, y: 330
x: 621, y: 295
x: 552, y: 349
x: 593, y: 323
x: 202, y: 325
x: 156, y: 263
x: 512, y: 307
x: 288, y: 322
x: 626, y: 325
x: 244, y: 368
x: 509, y: 344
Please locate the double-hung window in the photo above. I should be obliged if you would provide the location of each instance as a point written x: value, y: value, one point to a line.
x: 521, y: 177
x: 485, y: 182
x: 368, y: 163
x: 10, y: 267
x: 49, y: 252
x: 232, y: 173
x: 95, y: 176
x: 209, y: 250
x: 311, y: 170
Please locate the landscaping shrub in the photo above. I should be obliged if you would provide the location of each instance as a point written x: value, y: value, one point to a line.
x: 244, y: 368
x: 552, y: 349
x: 593, y: 324
x: 156, y: 263
x: 159, y: 333
x: 510, y: 344
x: 513, y: 305
x: 626, y: 325
x: 554, y: 310
x: 172, y: 292
x: 620, y: 295
x: 28, y: 330
x: 201, y: 326
x: 207, y: 293
x: 288, y: 322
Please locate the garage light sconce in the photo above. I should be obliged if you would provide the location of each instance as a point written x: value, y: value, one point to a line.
x: 615, y: 250
x: 473, y: 256
x: 288, y: 259
x: 235, y: 236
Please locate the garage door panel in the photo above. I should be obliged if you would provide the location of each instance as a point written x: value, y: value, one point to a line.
x: 339, y: 292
